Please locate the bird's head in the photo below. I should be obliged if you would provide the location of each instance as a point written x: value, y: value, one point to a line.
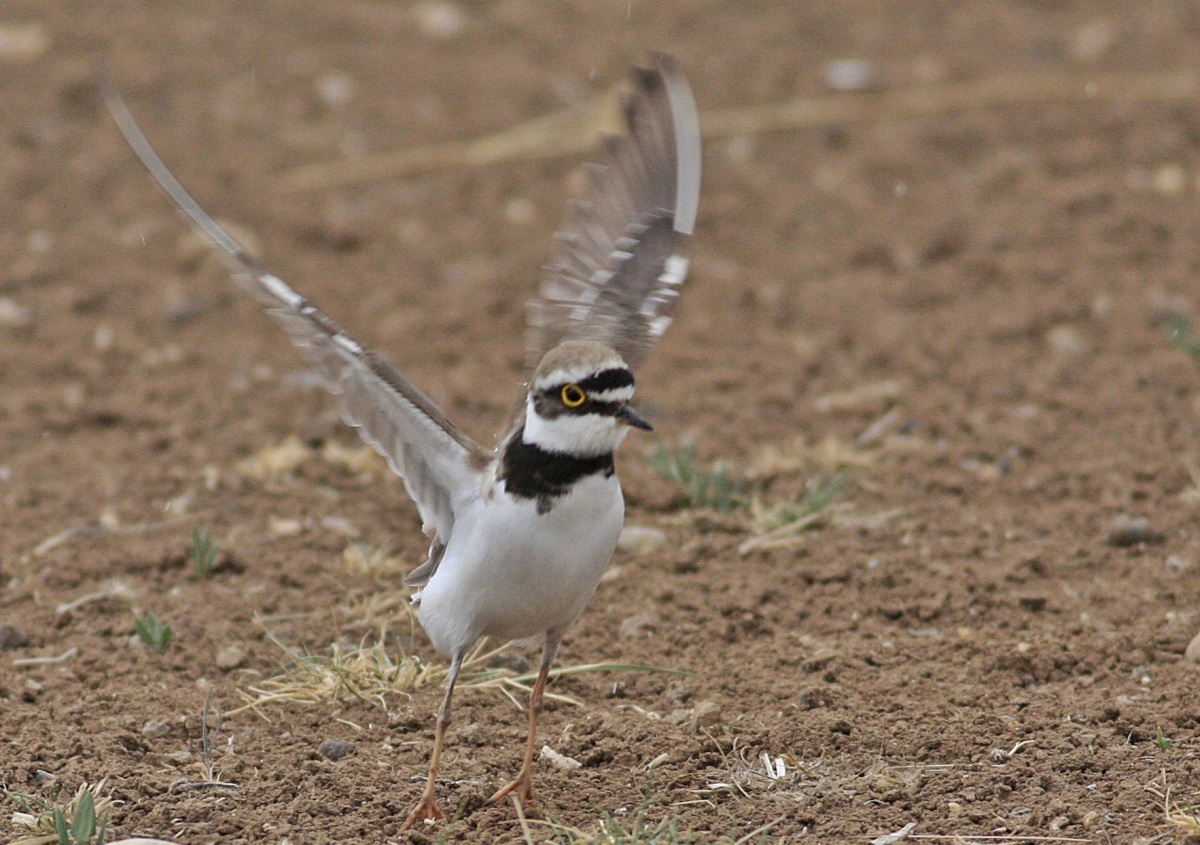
x: 578, y: 402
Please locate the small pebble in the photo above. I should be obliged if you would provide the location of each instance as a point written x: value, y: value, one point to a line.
x: 1093, y: 39
x: 640, y: 540
x: 230, y: 656
x: 440, y: 19
x: 519, y: 211
x: 12, y: 637
x: 638, y: 625
x: 560, y: 761
x: 102, y: 338
x: 1125, y: 704
x: 23, y: 42
x: 335, y: 88
x: 706, y: 714
x: 155, y: 728
x: 284, y: 527
x: 851, y: 75
x: 678, y: 694
x: 1066, y: 341
x: 40, y: 240
x: 1132, y: 531
x: 14, y: 314
x: 1192, y: 654
x: 679, y: 716
x: 1169, y: 180
x: 335, y: 749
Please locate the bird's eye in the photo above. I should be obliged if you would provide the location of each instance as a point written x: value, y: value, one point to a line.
x: 573, y: 396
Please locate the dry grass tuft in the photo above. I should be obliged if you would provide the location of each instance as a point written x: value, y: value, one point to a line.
x: 370, y: 672
x: 1182, y: 819
x: 366, y: 672
x: 636, y: 828
x: 745, y: 772
x: 269, y: 462
x: 291, y: 453
x: 76, y: 822
x: 374, y: 561
x: 361, y: 460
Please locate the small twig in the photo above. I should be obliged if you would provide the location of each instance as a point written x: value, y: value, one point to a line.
x: 116, y: 590
x: 208, y: 736
x: 897, y: 836
x: 187, y: 785
x: 758, y: 831
x: 786, y: 531
x: 570, y: 131
x: 573, y: 131
x: 1013, y: 837
x: 98, y: 527
x: 525, y: 829
x: 46, y: 661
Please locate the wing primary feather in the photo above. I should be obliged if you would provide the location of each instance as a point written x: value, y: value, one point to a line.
x: 688, y: 152
x: 616, y: 271
x: 433, y: 457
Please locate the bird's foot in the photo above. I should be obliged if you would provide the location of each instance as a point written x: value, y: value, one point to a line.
x: 426, y: 811
x: 521, y: 791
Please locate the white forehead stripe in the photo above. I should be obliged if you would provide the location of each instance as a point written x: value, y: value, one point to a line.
x: 564, y: 375
x: 614, y: 394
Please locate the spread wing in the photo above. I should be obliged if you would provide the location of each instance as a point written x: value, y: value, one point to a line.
x: 420, y: 444
x: 620, y: 262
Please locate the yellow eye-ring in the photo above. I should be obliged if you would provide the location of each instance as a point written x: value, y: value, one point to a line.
x: 573, y: 396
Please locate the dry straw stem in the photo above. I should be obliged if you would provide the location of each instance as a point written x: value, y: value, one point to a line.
x: 506, y: 683
x: 968, y: 838
x: 574, y: 131
x: 47, y: 661
x: 837, y: 515
x: 568, y: 132
x: 107, y: 526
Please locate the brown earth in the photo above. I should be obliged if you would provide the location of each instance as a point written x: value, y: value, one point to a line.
x: 980, y: 289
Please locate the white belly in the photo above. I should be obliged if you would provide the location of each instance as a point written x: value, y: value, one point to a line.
x: 510, y: 572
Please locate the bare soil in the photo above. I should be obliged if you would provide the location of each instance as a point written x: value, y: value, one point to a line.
x: 962, y: 311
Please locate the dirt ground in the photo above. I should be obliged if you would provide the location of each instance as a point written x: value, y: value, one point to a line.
x: 960, y: 311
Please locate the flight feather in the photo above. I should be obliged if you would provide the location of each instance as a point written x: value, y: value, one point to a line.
x: 434, y: 458
x: 620, y: 261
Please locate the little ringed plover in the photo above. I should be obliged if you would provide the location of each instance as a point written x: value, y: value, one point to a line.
x: 522, y: 533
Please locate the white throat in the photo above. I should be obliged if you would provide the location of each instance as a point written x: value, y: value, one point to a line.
x: 579, y: 435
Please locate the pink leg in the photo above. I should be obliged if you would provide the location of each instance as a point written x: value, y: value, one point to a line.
x: 521, y: 789
x: 427, y: 808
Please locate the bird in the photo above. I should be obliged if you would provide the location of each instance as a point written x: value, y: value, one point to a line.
x: 520, y: 534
